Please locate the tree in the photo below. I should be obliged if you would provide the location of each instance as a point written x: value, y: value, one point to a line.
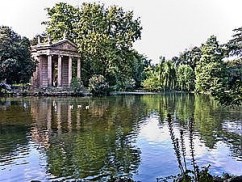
x: 229, y: 91
x: 139, y: 65
x: 63, y: 19
x: 189, y: 57
x: 168, y: 80
x: 104, y: 36
x: 16, y: 64
x: 152, y: 82
x: 210, y: 68
x: 235, y: 44
x: 185, y: 78
x: 98, y: 85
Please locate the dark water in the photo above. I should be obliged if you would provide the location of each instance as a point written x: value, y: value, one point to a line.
x: 93, y: 139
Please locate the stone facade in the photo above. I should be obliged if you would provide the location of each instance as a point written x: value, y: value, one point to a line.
x: 55, y: 64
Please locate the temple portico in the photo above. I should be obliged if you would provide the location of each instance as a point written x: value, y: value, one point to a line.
x: 58, y: 63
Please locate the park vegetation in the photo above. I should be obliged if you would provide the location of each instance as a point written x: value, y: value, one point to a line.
x: 105, y: 37
x: 212, y: 68
x: 16, y: 64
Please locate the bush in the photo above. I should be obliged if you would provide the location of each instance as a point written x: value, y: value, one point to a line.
x: 76, y: 85
x: 98, y: 85
x: 127, y: 85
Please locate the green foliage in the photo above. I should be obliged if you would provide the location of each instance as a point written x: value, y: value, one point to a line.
x: 104, y: 36
x: 139, y: 64
x: 76, y: 85
x: 168, y: 75
x: 234, y: 46
x: 98, y: 85
x: 128, y: 85
x: 160, y: 76
x: 210, y: 69
x: 16, y: 64
x: 152, y: 82
x: 185, y: 78
x: 63, y: 19
x: 229, y: 92
x: 188, y: 57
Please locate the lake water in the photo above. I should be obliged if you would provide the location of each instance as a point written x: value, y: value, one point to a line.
x: 93, y: 139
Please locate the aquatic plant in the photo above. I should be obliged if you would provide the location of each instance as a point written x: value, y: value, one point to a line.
x: 197, y: 174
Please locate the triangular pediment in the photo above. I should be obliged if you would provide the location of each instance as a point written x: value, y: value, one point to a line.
x: 64, y: 45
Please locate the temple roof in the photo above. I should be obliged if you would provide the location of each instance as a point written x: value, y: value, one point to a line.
x: 63, y: 47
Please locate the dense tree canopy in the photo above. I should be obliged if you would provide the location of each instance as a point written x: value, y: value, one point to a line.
x: 229, y: 91
x: 104, y: 36
x: 188, y: 57
x: 202, y: 69
x: 235, y: 44
x: 185, y: 78
x: 16, y: 64
x: 210, y: 68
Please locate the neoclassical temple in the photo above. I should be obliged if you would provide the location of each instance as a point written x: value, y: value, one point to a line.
x: 58, y: 63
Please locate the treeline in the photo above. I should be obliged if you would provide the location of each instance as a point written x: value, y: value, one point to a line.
x: 211, y: 68
x: 105, y: 37
x: 16, y: 63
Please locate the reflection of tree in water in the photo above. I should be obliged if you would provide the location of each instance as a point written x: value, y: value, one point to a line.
x: 209, y: 120
x: 13, y: 132
x: 98, y: 141
x: 12, y: 138
x: 103, y: 146
x: 231, y: 134
x: 208, y: 116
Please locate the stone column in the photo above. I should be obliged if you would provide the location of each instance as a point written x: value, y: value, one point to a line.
x: 50, y: 70
x: 78, y: 68
x: 69, y: 71
x: 59, y: 71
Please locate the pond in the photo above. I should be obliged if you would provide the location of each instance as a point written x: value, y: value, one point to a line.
x: 94, y: 139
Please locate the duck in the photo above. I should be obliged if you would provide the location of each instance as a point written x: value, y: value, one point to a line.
x: 87, y: 107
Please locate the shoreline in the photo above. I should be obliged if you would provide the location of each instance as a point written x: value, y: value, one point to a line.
x: 68, y: 93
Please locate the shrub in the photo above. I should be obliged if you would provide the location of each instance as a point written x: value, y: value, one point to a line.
x: 98, y: 85
x: 76, y: 85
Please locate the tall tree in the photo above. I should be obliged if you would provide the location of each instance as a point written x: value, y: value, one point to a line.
x: 16, y: 64
x: 189, y: 57
x: 185, y: 78
x: 229, y: 91
x: 104, y: 36
x: 169, y: 75
x: 235, y: 44
x: 63, y: 19
x: 210, y: 68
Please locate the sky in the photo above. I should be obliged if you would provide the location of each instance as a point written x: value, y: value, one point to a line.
x: 169, y: 26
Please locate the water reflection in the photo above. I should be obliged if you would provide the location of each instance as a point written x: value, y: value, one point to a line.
x: 97, y: 138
